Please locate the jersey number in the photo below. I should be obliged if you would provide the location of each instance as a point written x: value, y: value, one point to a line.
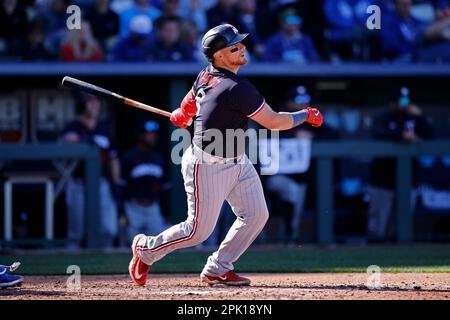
x: 198, y: 99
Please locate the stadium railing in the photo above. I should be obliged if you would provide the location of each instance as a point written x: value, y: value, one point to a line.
x: 326, y: 152
x: 89, y: 154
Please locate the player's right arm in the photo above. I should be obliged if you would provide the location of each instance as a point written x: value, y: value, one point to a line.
x: 272, y: 120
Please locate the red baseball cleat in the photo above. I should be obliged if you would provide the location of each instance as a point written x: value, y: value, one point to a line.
x: 230, y: 279
x: 138, y: 270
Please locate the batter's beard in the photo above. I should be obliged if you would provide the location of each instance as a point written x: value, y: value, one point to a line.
x: 241, y: 62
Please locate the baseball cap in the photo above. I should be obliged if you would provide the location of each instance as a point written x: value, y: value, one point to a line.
x: 302, y: 96
x: 149, y: 126
x: 145, y: 126
x: 299, y: 94
x: 141, y: 25
x: 290, y: 16
x: 401, y: 96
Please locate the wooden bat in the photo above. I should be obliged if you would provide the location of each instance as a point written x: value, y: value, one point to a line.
x: 98, y: 91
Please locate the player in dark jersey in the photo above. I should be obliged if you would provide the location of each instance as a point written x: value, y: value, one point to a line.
x: 220, y: 100
x: 87, y: 128
x: 142, y: 169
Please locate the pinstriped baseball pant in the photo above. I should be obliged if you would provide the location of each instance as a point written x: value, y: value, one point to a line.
x: 207, y: 186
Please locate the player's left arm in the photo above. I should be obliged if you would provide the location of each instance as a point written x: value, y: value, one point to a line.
x: 272, y: 120
x: 250, y: 102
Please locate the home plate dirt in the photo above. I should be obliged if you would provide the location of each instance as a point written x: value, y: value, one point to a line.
x: 402, y: 286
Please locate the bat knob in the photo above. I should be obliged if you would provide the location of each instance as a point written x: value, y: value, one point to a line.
x: 65, y: 80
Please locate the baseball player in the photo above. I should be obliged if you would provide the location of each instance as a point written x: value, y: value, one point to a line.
x: 219, y: 100
x: 145, y: 177
x: 88, y: 128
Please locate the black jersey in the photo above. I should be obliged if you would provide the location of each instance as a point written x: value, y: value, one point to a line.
x: 144, y: 173
x: 225, y: 102
x: 100, y: 136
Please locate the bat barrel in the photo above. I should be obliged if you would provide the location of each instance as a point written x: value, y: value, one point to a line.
x: 95, y: 90
x: 88, y: 87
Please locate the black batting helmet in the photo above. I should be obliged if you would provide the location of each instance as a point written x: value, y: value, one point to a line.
x: 222, y: 36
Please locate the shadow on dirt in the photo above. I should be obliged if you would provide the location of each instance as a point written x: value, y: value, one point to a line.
x: 30, y: 292
x: 352, y: 287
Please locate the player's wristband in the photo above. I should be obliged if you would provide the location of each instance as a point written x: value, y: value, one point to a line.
x: 299, y: 117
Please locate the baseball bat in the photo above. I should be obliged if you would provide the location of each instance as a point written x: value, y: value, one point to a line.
x: 98, y: 91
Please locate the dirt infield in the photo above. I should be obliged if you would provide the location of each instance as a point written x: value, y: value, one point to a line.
x: 402, y: 286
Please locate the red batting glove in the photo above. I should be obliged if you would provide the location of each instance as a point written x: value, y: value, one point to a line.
x: 179, y: 119
x: 314, y: 117
x: 188, y: 105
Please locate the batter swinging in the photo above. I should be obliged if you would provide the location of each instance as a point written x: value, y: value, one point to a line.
x: 219, y: 100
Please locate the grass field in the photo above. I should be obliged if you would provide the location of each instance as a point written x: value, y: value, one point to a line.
x: 417, y: 258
